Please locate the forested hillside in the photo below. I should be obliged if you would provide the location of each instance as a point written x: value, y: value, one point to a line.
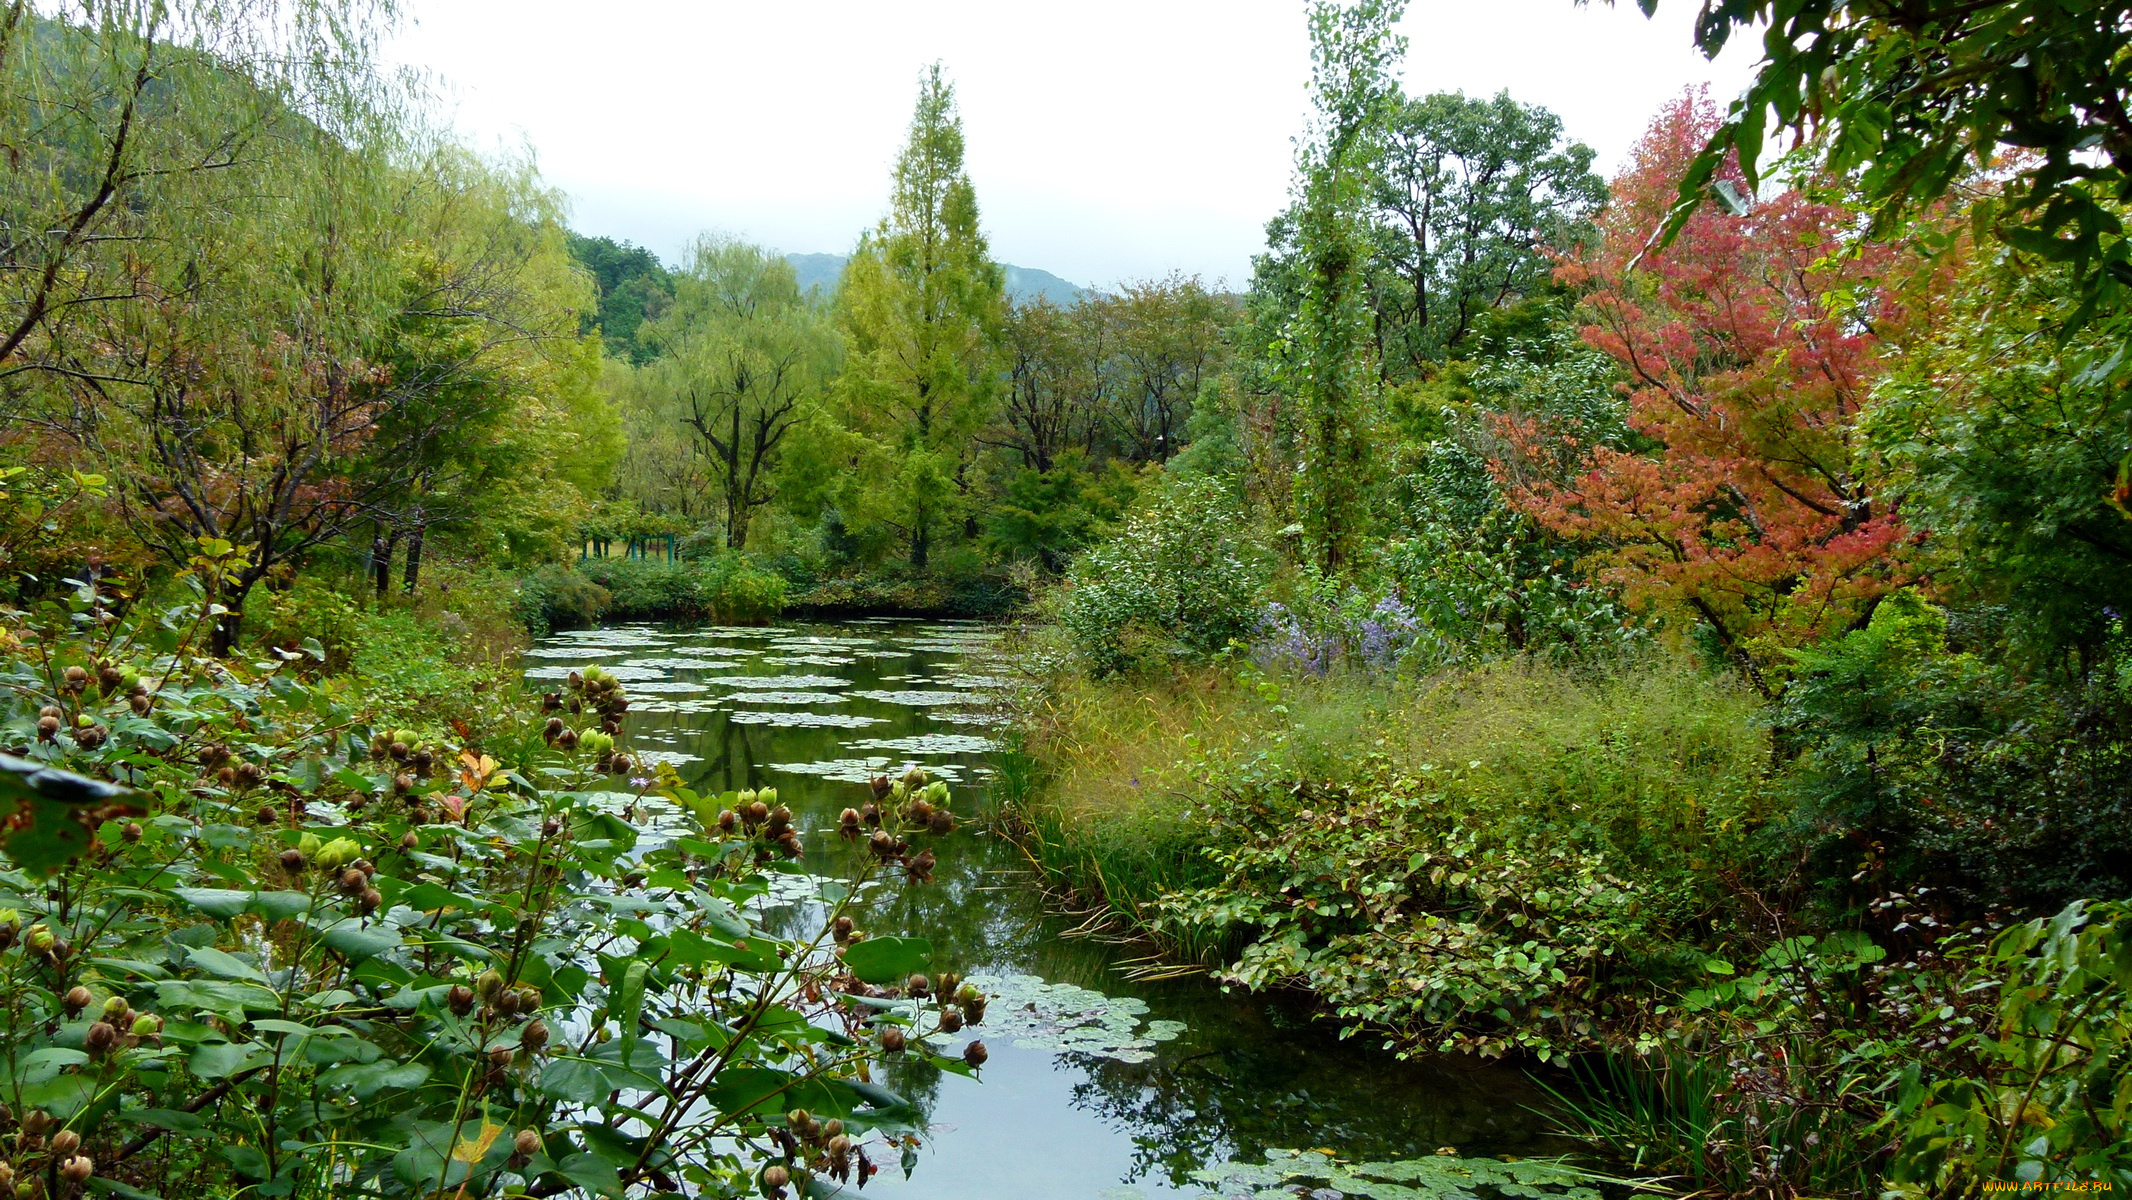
x: 1664, y: 630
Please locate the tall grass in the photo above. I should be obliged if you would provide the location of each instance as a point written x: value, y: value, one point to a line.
x: 1656, y: 763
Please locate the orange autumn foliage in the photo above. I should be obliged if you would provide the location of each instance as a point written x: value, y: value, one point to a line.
x: 1749, y: 346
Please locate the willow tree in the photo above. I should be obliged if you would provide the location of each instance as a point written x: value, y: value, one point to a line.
x: 920, y: 308
x: 744, y: 359
x: 1330, y: 362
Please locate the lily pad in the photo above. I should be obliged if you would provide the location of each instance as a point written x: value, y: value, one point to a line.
x: 1067, y: 1018
x: 781, y: 683
x: 625, y: 674
x: 930, y: 743
x: 857, y: 770
x: 786, y: 698
x: 1439, y: 1177
x: 918, y: 699
x: 805, y: 720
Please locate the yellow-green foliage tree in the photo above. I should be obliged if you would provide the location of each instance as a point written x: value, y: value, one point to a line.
x: 920, y: 308
x: 744, y: 360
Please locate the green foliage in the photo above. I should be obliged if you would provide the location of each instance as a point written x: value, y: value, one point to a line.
x: 727, y: 589
x: 920, y: 310
x: 1049, y: 515
x: 554, y: 597
x: 2007, y: 446
x: 2050, y: 1098
x: 634, y: 287
x: 1328, y: 365
x: 299, y: 952
x: 1179, y: 582
x: 1920, y: 763
x: 1911, y: 99
x: 1445, y: 1177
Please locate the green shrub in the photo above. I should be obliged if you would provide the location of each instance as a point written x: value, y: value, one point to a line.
x: 310, y: 609
x: 728, y: 588
x: 255, y: 945
x: 1178, y: 583
x: 552, y: 597
x: 1923, y: 764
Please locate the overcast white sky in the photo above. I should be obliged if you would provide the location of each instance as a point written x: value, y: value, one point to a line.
x: 1108, y: 139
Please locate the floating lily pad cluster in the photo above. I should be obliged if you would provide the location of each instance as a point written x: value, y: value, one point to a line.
x: 930, y: 743
x: 857, y: 770
x: 1287, y: 1174
x: 1067, y: 1017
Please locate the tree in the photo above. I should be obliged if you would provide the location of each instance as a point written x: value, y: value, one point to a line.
x: 1471, y: 200
x: 744, y: 359
x: 1056, y: 385
x: 1168, y: 344
x: 1914, y: 98
x: 120, y: 109
x: 920, y: 307
x: 1329, y: 362
x: 634, y: 287
x: 1750, y: 346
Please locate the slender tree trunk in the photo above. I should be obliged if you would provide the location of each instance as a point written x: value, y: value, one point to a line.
x: 414, y: 553
x: 381, y: 548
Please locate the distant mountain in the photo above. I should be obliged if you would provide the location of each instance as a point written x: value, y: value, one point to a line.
x: 1023, y: 283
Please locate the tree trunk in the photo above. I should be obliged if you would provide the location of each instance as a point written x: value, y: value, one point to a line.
x: 381, y: 548
x: 230, y: 594
x: 921, y: 539
x: 414, y: 553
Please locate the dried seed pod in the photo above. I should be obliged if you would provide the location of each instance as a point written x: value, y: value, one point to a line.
x: 757, y: 813
x: 292, y: 859
x: 941, y: 823
x: 369, y: 900
x: 460, y: 999
x: 950, y: 1021
x: 249, y: 774
x: 527, y: 1143
x: 140, y: 704
x: 132, y: 832
x: 882, y: 845
x: 871, y: 814
x: 101, y: 1037
x: 77, y: 1169
x: 775, y: 1177
x: 727, y: 820
x: 919, y: 866
x: 47, y: 728
x: 975, y: 1054
x: 65, y: 1143
x: 352, y: 882
x: 880, y: 786
x: 488, y: 984
x: 403, y: 783
x: 919, y: 811
x: 78, y: 998
x: 409, y: 840
x: 892, y: 1039
x: 74, y: 679
x: 917, y: 985
x: 567, y: 739
x: 841, y: 929
x: 534, y: 1036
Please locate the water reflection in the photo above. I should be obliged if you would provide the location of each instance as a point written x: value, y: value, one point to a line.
x: 1045, y: 1122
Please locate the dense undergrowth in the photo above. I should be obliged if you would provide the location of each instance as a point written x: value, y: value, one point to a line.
x: 270, y: 928
x: 1618, y: 871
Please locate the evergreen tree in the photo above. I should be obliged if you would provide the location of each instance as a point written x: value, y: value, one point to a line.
x: 920, y: 307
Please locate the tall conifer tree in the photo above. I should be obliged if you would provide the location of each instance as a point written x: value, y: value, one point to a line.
x: 920, y: 308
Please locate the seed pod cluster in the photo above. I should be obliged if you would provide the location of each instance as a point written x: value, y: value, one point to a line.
x: 758, y: 816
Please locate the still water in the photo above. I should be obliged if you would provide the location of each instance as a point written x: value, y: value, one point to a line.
x: 1098, y: 1087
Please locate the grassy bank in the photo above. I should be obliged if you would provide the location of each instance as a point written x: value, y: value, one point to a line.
x: 1604, y: 869
x: 1160, y: 799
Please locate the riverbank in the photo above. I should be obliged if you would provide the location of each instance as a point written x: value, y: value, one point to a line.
x: 1592, y: 869
x: 734, y: 589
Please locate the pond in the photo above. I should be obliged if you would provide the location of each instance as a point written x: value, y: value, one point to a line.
x: 1098, y: 1087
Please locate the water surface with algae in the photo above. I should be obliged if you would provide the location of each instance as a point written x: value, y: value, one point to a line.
x: 1097, y: 1086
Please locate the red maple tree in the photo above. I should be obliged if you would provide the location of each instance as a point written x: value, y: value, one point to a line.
x: 1749, y: 346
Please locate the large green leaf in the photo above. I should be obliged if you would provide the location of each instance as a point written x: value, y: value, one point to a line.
x: 47, y: 803
x: 883, y: 960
